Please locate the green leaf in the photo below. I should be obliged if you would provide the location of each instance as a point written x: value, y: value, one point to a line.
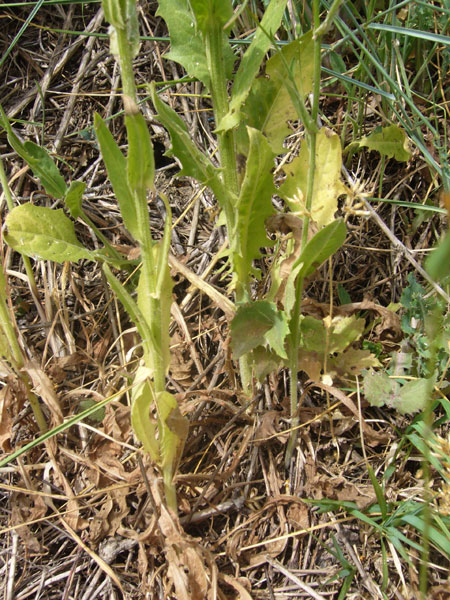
x: 130, y: 306
x: 174, y: 429
x: 210, y: 14
x: 320, y: 247
x: 186, y: 40
x: 254, y: 206
x: 258, y: 324
x: 73, y: 198
x: 379, y: 388
x: 328, y: 185
x: 140, y: 162
x: 251, y: 62
x: 44, y: 233
x: 194, y: 162
x: 409, y: 398
x: 414, y: 396
x: 389, y: 141
x: 264, y: 361
x: 269, y: 105
x: 38, y: 159
x: 154, y: 303
x: 144, y: 427
x: 438, y: 262
x: 116, y: 167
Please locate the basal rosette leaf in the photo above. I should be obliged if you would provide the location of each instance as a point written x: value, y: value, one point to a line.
x: 44, y: 233
x: 328, y: 185
x: 254, y: 206
x: 269, y: 106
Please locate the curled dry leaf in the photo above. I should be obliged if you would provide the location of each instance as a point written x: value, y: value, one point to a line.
x: 43, y: 387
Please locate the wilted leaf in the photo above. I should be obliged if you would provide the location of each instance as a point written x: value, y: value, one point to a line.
x: 389, y: 141
x: 327, y: 179
x: 44, y: 233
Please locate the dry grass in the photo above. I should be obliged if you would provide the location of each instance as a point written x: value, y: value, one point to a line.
x: 80, y: 514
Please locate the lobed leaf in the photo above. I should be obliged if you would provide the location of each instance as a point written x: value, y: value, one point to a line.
x: 389, y: 141
x: 44, y: 233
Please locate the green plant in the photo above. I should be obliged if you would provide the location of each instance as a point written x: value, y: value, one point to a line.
x: 199, y: 41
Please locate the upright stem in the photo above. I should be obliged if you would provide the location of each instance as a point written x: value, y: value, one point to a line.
x: 294, y: 338
x: 227, y: 153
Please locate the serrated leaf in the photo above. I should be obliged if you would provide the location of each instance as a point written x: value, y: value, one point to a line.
x: 269, y: 105
x: 73, y: 198
x: 38, y: 159
x: 144, y: 427
x: 116, y: 167
x: 44, y: 233
x: 187, y: 45
x: 352, y: 362
x: 328, y: 185
x: 258, y: 324
x: 194, y: 162
x: 251, y: 62
x: 254, y: 206
x: 389, y: 141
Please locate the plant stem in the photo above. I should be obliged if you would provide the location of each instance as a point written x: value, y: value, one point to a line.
x: 294, y: 338
x: 227, y: 153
